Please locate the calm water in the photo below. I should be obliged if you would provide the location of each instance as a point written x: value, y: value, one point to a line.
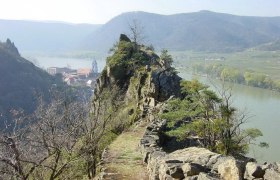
x: 264, y: 107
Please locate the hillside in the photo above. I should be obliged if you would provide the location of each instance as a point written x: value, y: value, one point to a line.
x: 271, y: 46
x: 65, y: 142
x: 44, y: 36
x: 200, y: 31
x: 20, y: 82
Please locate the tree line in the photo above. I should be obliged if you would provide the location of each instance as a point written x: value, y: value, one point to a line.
x: 247, y: 77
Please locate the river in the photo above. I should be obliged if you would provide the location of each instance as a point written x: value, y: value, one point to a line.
x: 263, y: 107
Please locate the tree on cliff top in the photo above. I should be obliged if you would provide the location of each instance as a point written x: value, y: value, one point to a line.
x: 213, y: 119
x: 136, y: 32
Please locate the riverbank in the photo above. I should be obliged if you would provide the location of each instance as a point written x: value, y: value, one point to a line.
x: 261, y: 106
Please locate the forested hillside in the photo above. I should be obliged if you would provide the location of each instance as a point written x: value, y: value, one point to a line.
x: 200, y: 31
x: 21, y: 82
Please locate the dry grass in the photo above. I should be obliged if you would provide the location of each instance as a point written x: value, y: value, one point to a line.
x: 124, y: 158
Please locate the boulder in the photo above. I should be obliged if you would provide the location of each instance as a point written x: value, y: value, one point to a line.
x: 231, y: 169
x: 201, y: 156
x: 253, y: 170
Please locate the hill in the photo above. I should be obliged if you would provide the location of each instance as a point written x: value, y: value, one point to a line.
x: 271, y: 46
x: 44, y: 36
x: 199, y: 31
x: 20, y: 82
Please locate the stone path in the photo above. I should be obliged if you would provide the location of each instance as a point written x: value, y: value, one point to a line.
x: 123, y: 160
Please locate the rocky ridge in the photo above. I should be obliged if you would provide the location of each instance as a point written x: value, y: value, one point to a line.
x: 195, y: 163
x: 141, y: 84
x: 132, y: 82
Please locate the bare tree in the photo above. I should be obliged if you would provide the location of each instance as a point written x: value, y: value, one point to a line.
x: 63, y: 141
x: 48, y: 147
x: 99, y: 128
x: 136, y: 32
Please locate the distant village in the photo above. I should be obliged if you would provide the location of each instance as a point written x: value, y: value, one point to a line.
x: 77, y: 77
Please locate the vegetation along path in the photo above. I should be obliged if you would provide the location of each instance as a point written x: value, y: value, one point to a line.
x: 123, y: 159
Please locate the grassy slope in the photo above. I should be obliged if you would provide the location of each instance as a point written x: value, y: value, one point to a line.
x: 123, y: 159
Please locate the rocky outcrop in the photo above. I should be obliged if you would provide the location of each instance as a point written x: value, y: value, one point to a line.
x: 231, y: 169
x: 132, y: 84
x: 253, y: 170
x: 196, y: 163
x: 164, y: 84
x: 182, y: 164
x: 272, y: 171
x: 10, y: 47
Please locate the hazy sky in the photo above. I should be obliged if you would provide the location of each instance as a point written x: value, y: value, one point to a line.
x: 100, y: 11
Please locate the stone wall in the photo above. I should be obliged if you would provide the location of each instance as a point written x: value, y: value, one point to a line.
x: 196, y: 163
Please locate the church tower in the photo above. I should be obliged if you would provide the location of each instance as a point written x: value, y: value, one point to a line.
x: 94, y: 68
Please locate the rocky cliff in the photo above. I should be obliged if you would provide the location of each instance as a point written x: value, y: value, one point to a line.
x: 133, y: 81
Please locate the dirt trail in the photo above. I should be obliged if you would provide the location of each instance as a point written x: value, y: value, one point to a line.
x: 123, y: 160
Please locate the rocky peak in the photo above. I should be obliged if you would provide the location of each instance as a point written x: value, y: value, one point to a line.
x: 129, y: 68
x: 124, y: 37
x: 134, y: 80
x: 10, y: 47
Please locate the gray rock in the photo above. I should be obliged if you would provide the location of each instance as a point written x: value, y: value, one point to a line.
x: 253, y: 170
x: 231, y: 169
x: 164, y: 84
x: 205, y: 176
x: 271, y: 174
x: 196, y: 155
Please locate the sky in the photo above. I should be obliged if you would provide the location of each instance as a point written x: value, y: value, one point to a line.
x: 101, y: 11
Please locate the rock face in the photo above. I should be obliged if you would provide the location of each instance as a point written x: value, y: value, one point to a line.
x: 253, y: 170
x: 127, y: 64
x: 165, y: 84
x: 231, y: 169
